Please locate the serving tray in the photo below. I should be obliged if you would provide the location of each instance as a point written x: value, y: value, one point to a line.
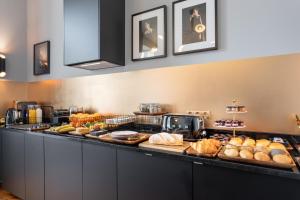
x: 176, y: 149
x: 222, y: 155
x: 141, y: 138
x: 191, y: 151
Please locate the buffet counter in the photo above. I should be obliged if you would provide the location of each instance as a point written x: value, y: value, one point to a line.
x: 61, y: 157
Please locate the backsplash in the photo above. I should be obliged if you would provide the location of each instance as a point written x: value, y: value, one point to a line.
x: 260, y: 84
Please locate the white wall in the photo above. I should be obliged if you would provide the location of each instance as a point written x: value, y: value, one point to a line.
x: 247, y: 29
x: 13, y: 37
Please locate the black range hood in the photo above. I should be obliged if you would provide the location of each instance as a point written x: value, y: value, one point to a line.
x: 94, y: 33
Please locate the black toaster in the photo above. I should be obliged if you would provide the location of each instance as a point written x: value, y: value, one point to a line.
x: 190, y: 126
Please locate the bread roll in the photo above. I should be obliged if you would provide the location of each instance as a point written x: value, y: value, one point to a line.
x: 206, y: 146
x: 262, y: 149
x: 277, y: 146
x: 231, y: 152
x: 246, y: 154
x: 282, y: 159
x: 249, y: 142
x: 262, y: 143
x: 236, y: 141
x: 261, y: 156
x: 248, y: 148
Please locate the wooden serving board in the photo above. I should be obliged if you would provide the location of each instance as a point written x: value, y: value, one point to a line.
x: 141, y: 138
x: 191, y: 151
x: 256, y: 162
x: 176, y: 149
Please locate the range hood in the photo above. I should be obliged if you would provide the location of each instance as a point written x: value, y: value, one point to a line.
x: 94, y: 33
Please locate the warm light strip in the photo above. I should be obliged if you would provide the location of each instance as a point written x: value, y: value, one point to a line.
x: 2, y: 56
x: 90, y: 64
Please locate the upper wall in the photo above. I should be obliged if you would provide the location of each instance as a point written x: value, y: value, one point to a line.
x: 247, y: 29
x: 13, y: 37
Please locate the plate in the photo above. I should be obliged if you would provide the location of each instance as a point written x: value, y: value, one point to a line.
x: 123, y: 134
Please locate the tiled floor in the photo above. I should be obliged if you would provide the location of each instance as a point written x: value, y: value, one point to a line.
x: 6, y: 196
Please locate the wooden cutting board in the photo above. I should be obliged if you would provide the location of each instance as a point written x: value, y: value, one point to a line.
x: 176, y: 149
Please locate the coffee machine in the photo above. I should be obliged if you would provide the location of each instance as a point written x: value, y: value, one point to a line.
x: 12, y: 117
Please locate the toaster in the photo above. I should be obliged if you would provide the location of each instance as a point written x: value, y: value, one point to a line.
x: 190, y: 126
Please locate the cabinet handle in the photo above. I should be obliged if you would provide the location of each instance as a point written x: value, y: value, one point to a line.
x: 148, y: 154
x: 198, y: 163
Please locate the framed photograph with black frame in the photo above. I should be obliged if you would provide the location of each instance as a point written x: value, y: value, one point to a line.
x: 149, y: 34
x: 194, y: 26
x: 41, y: 58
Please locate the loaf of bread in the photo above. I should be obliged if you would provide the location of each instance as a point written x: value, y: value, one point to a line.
x: 231, y: 152
x: 263, y: 143
x: 261, y: 156
x: 82, y: 130
x: 206, y: 146
x: 236, y: 141
x: 249, y: 142
x: 166, y: 139
x: 246, y: 154
x: 277, y: 146
x: 282, y: 159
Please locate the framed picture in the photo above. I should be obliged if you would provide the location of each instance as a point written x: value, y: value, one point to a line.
x: 41, y: 58
x: 194, y: 26
x: 149, y: 34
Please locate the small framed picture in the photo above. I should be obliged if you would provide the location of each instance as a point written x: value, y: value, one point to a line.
x: 41, y: 58
x: 194, y: 26
x: 149, y: 34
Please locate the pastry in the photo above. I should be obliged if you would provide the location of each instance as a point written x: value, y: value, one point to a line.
x: 249, y: 142
x: 246, y: 154
x: 262, y: 149
x: 248, y: 148
x: 236, y: 141
x: 231, y: 152
x: 277, y: 146
x: 230, y: 146
x: 261, y: 156
x: 262, y: 143
x: 166, y: 139
x: 82, y: 130
x: 206, y: 146
x: 282, y: 159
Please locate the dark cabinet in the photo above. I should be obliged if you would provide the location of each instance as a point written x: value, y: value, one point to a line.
x: 63, y: 169
x: 148, y: 177
x: 34, y: 167
x: 99, y: 172
x: 1, y: 160
x: 94, y: 33
x: 14, y: 162
x: 215, y: 183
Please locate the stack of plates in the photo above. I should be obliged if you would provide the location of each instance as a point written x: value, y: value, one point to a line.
x: 124, y: 135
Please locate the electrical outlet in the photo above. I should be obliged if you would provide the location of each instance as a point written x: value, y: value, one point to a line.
x: 204, y: 114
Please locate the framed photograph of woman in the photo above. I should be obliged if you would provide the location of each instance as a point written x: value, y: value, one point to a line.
x: 149, y: 34
x: 194, y: 26
x: 41, y: 58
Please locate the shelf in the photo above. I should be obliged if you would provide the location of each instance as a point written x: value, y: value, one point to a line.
x: 149, y: 114
x: 226, y: 127
x: 238, y: 112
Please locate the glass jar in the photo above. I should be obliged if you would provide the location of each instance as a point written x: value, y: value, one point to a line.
x: 31, y: 114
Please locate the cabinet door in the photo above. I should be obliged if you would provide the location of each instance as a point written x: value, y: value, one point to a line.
x: 147, y: 177
x: 82, y: 37
x: 215, y: 183
x: 99, y: 172
x: 34, y: 167
x: 14, y: 163
x: 63, y: 169
x: 1, y: 160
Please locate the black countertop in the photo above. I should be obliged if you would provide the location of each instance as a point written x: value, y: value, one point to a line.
x: 291, y: 174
